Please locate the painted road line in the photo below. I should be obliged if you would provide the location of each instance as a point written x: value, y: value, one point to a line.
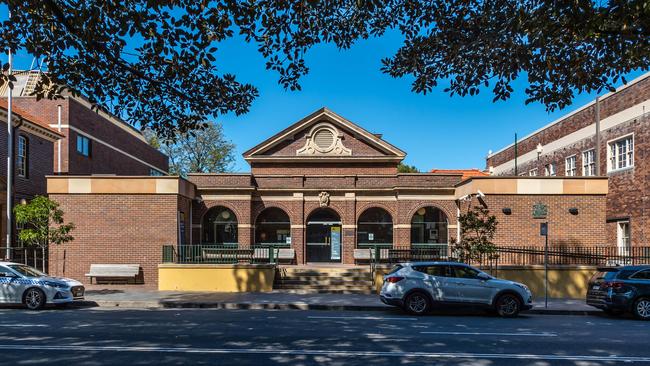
x: 313, y: 352
x: 360, y: 318
x: 543, y: 334
x: 24, y: 325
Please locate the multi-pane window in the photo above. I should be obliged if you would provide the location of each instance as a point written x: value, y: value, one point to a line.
x: 549, y: 170
x: 589, y: 163
x: 621, y: 153
x: 532, y: 172
x: 570, y: 169
x: 22, y: 163
x: 83, y: 145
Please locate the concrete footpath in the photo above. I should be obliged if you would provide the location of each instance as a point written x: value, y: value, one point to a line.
x: 151, y: 299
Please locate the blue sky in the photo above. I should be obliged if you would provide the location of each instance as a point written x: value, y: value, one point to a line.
x: 436, y: 131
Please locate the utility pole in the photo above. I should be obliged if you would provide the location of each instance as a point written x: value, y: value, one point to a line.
x: 10, y: 158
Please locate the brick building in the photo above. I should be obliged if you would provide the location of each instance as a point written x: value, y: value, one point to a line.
x: 33, y: 143
x: 324, y: 187
x: 569, y: 146
x: 94, y: 142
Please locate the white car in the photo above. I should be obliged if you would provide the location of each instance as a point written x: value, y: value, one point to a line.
x: 417, y: 287
x: 21, y: 284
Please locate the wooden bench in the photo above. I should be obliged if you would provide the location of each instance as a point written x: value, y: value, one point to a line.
x: 121, y: 271
x: 287, y: 254
x: 221, y: 255
x: 365, y: 254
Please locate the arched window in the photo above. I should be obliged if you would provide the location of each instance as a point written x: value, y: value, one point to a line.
x: 220, y: 226
x: 273, y: 227
x: 375, y: 226
x: 429, y: 226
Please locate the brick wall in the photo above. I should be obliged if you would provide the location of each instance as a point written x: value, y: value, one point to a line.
x: 611, y: 105
x: 103, y: 160
x: 587, y: 228
x: 299, y: 209
x: 116, y: 229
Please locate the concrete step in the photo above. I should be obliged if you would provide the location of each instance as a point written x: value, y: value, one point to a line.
x: 323, y: 291
x: 329, y: 281
x: 324, y: 278
x: 290, y: 270
x: 325, y: 287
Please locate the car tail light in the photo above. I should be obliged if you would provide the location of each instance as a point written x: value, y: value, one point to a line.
x: 612, y: 285
x: 394, y: 279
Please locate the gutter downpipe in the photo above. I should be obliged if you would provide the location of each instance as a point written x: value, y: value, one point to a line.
x: 598, y: 143
x: 58, y: 155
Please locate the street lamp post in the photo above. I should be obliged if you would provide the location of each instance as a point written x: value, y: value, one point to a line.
x: 10, y: 158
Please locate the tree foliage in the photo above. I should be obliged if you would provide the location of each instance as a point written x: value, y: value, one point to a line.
x: 477, y: 229
x: 42, y: 222
x: 405, y: 168
x: 155, y: 61
x: 202, y: 151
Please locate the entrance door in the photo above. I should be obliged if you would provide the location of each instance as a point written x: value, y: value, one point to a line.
x: 324, y: 236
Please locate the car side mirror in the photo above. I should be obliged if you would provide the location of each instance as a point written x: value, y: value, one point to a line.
x: 484, y: 276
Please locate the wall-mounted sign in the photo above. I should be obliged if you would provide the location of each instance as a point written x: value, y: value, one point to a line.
x: 371, y: 236
x: 540, y: 211
x: 335, y: 247
x: 543, y: 229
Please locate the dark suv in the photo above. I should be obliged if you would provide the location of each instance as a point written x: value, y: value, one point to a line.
x: 617, y: 290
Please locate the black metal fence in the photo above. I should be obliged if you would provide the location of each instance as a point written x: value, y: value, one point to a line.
x: 221, y: 254
x: 32, y: 256
x: 528, y: 255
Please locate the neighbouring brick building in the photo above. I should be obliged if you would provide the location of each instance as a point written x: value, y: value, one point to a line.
x: 33, y: 143
x: 94, y: 142
x: 323, y: 188
x: 66, y: 137
x: 568, y: 146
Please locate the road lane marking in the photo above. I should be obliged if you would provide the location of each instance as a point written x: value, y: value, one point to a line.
x: 24, y: 325
x: 543, y: 334
x: 360, y: 318
x: 307, y: 352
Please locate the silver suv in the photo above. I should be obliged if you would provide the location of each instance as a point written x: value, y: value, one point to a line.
x: 416, y: 287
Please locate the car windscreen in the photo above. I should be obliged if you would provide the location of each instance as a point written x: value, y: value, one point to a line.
x: 26, y: 270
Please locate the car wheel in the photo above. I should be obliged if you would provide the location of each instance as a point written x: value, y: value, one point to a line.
x: 417, y: 303
x: 641, y: 309
x: 34, y: 299
x: 508, y: 306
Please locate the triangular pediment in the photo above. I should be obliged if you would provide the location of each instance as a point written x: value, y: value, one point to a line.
x: 324, y: 135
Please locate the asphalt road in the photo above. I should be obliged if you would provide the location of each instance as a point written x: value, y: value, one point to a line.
x: 258, y: 337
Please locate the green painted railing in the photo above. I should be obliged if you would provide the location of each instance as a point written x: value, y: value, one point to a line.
x: 220, y: 254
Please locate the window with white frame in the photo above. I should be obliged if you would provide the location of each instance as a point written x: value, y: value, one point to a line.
x: 589, y: 163
x: 621, y: 153
x: 532, y: 172
x: 549, y: 170
x: 22, y: 162
x: 570, y: 169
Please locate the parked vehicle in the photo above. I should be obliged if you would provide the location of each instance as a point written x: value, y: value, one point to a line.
x: 417, y: 287
x: 618, y: 290
x: 21, y: 284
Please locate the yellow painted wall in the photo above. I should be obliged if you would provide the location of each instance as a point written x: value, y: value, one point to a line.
x: 215, y: 277
x: 564, y: 282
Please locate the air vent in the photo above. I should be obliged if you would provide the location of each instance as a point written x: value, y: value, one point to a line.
x: 324, y: 138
